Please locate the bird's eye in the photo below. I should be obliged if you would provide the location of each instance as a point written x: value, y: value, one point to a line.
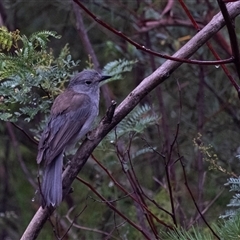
x: 88, y: 82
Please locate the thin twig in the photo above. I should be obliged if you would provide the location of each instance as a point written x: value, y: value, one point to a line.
x: 73, y: 220
x: 169, y: 164
x: 19, y: 155
x: 130, y: 195
x: 206, y: 208
x: 226, y: 71
x: 140, y: 191
x: 114, y: 208
x: 25, y: 133
x: 232, y: 36
x: 143, y: 48
x: 200, y: 110
x: 193, y: 199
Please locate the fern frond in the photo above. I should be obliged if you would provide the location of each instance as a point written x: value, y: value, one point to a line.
x: 41, y: 38
x: 143, y: 151
x: 234, y: 204
x: 117, y: 67
x: 232, y: 181
x: 136, y: 122
x: 5, y: 116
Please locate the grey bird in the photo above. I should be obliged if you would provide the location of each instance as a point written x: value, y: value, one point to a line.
x: 72, y: 116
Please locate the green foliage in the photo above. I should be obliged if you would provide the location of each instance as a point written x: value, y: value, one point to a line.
x: 143, y: 151
x: 117, y: 67
x: 226, y: 229
x: 131, y: 127
x: 32, y: 76
x: 193, y: 233
x: 135, y: 122
x: 162, y: 197
x: 8, y: 39
x: 29, y: 54
x: 229, y: 229
x: 234, y: 204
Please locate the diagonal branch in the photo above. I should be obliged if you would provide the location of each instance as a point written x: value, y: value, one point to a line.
x: 147, y: 85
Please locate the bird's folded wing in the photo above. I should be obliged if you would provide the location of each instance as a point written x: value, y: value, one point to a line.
x: 68, y: 115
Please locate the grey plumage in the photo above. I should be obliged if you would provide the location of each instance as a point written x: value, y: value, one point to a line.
x: 72, y: 115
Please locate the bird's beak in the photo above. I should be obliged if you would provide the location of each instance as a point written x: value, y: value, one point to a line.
x: 104, y: 78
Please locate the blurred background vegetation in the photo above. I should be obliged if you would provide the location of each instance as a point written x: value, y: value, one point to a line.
x: 197, y: 106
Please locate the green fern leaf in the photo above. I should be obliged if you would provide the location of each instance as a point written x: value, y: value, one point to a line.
x: 116, y: 68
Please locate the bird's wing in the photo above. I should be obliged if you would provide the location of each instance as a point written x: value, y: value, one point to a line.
x: 68, y: 115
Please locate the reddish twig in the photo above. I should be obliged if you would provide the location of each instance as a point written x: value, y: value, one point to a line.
x: 169, y: 164
x: 143, y: 48
x: 87, y: 229
x: 113, y: 208
x: 130, y: 195
x: 213, y: 51
x: 189, y: 14
x: 168, y: 175
x: 232, y: 36
x: 124, y: 158
x: 140, y: 192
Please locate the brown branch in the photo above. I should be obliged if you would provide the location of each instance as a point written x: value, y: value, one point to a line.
x: 147, y: 85
x: 3, y: 15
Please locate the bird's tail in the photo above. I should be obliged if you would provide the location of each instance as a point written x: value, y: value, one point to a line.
x: 51, y: 186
